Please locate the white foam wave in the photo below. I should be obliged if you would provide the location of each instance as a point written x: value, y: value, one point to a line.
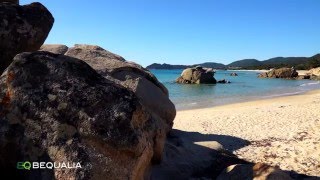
x: 284, y: 94
x: 309, y: 84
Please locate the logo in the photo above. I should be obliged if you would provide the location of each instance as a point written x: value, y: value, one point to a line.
x: 27, y: 165
x: 24, y: 165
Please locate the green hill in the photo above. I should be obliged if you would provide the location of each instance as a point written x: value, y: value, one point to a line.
x: 169, y: 66
x: 245, y: 63
x: 276, y: 62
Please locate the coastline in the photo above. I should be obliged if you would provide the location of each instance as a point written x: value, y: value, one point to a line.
x: 241, y: 101
x: 250, y: 101
x: 252, y: 70
x: 283, y: 131
x: 301, y: 72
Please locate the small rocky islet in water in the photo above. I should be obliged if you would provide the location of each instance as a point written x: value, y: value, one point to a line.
x: 199, y: 75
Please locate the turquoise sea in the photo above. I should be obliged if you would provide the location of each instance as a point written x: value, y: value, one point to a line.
x: 244, y: 87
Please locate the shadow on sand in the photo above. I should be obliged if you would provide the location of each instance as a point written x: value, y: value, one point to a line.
x: 195, y: 155
x: 192, y: 155
x: 230, y: 143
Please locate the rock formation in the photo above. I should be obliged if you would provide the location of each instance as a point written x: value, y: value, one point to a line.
x: 54, y: 48
x: 22, y: 29
x: 234, y: 74
x: 287, y: 73
x: 301, y: 77
x: 223, y: 81
x: 314, y: 71
x: 57, y: 108
x: 152, y: 94
x: 197, y: 75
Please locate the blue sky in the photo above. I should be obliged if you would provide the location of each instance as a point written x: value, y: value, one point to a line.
x: 189, y: 31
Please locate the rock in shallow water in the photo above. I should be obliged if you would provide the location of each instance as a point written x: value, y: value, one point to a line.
x: 22, y: 29
x: 197, y: 75
x: 286, y: 73
x: 57, y: 108
x: 314, y: 71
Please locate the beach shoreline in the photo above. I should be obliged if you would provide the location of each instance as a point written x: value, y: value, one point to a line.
x: 310, y: 92
x: 283, y: 131
x: 251, y: 99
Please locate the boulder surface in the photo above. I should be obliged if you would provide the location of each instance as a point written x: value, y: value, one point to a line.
x: 57, y: 108
x: 22, y: 29
x: 152, y: 94
x: 315, y: 71
x: 54, y: 48
x: 287, y: 73
x: 197, y: 75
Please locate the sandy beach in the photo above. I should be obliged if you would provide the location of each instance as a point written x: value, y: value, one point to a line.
x: 282, y: 131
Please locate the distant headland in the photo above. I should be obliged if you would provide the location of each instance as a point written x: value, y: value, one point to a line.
x: 301, y: 63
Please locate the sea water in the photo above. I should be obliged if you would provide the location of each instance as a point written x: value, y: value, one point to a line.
x: 244, y: 87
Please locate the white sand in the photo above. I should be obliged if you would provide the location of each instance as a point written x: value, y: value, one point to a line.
x: 283, y: 131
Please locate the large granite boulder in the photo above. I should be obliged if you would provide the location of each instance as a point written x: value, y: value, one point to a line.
x: 197, y: 75
x: 152, y: 94
x: 22, y: 29
x: 287, y: 73
x: 55, y: 108
x: 107, y: 63
x: 54, y: 48
x: 96, y: 57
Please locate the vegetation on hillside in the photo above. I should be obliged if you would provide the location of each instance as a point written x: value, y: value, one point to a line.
x: 300, y: 63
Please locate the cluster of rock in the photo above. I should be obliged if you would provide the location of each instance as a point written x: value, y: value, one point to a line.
x: 287, y: 73
x: 291, y: 73
x: 315, y: 71
x: 80, y: 104
x: 312, y: 74
x: 58, y: 107
x: 87, y: 105
x: 197, y: 75
x: 223, y: 81
x: 234, y: 74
